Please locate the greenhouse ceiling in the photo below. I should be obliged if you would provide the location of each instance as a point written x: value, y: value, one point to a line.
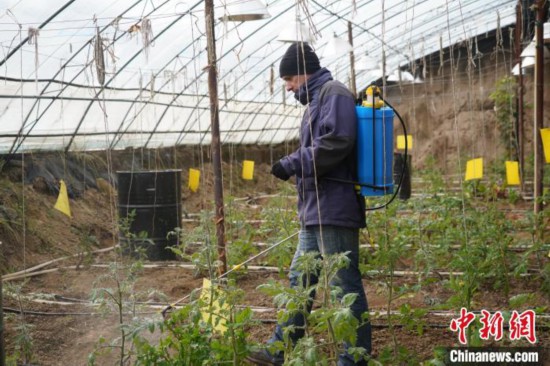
x: 111, y: 74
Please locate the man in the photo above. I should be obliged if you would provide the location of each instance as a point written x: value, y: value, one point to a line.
x: 331, y: 212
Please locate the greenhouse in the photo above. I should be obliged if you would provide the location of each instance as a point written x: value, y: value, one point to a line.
x: 274, y: 182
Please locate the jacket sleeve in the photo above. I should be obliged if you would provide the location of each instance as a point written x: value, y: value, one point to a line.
x: 334, y: 140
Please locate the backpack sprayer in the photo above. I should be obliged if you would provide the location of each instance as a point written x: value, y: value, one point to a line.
x: 375, y: 147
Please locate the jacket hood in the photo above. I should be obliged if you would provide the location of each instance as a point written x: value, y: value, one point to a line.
x: 312, y: 85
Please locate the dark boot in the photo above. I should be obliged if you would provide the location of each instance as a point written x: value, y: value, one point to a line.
x: 264, y: 358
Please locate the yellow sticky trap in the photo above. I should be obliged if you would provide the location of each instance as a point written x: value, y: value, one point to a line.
x: 194, y: 179
x: 62, y: 203
x: 401, y: 142
x: 545, y: 136
x: 474, y: 169
x: 512, y: 173
x: 210, y: 311
x: 248, y: 169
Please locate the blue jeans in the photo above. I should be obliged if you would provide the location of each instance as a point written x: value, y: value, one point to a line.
x: 334, y: 240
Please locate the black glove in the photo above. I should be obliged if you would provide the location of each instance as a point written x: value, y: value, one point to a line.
x: 280, y: 172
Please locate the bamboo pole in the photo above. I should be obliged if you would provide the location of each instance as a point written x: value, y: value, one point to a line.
x: 215, y: 130
x: 9, y: 276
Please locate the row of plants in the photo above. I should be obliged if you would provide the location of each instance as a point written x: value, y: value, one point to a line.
x: 465, y: 233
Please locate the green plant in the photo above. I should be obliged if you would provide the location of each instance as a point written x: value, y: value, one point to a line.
x: 240, y: 233
x: 432, y: 175
x: 185, y: 340
x: 514, y: 196
x: 537, y: 252
x: 412, y: 319
x: 279, y: 222
x: 503, y: 96
x: 24, y: 343
x: 131, y: 243
x: 398, y: 355
x: 86, y: 243
x: 545, y: 274
x: 198, y: 246
x: 188, y: 339
x: 520, y: 300
x: 326, y: 328
x: 115, y: 293
x: 483, y: 254
x: 393, y: 241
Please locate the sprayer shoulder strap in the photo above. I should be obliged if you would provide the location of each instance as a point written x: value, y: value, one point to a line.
x: 335, y: 87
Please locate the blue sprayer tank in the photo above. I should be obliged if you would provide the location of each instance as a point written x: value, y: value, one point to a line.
x: 375, y: 150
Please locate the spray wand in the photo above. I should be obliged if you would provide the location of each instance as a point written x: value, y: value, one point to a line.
x: 235, y: 268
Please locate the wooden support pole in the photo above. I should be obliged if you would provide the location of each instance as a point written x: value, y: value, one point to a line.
x: 215, y: 144
x: 539, y: 104
x: 519, y: 95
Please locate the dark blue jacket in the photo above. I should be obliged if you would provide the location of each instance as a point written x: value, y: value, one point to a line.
x: 327, y: 150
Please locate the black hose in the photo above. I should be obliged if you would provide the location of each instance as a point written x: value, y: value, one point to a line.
x: 404, y: 161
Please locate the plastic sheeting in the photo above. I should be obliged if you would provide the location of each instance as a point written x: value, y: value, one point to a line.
x: 80, y: 75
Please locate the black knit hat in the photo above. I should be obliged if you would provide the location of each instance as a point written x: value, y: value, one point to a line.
x: 296, y: 57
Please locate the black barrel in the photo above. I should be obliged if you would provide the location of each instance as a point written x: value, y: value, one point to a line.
x: 398, y: 166
x: 154, y: 198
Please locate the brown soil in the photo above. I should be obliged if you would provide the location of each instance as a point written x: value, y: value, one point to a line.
x: 59, y: 339
x: 67, y: 340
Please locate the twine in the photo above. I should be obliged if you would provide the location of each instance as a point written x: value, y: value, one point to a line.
x: 99, y: 58
x: 33, y: 40
x: 146, y: 36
